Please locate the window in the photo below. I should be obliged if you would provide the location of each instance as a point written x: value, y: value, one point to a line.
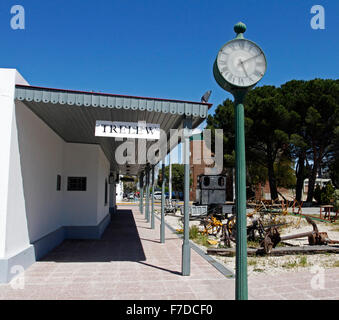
x: 77, y: 184
x: 206, y: 181
x: 221, y: 182
x: 58, y: 182
x: 106, y: 192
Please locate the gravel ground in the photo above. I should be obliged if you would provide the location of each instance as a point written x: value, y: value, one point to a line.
x: 281, y: 264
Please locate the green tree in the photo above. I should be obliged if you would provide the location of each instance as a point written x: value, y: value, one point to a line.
x: 332, y: 161
x: 297, y: 123
x: 177, y: 177
x: 266, y: 125
x: 285, y: 173
x: 268, y: 130
x: 296, y: 100
x: 327, y: 194
x: 316, y: 105
x: 223, y: 118
x: 317, y: 194
x: 130, y: 184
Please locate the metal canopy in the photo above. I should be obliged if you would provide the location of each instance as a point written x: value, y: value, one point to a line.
x: 73, y: 114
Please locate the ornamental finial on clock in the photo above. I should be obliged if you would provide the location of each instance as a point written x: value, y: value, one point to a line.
x: 240, y: 29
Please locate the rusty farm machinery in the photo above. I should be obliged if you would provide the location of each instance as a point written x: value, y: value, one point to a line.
x: 315, y: 238
x: 218, y: 220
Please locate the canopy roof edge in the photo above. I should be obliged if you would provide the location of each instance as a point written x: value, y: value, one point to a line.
x: 103, y: 100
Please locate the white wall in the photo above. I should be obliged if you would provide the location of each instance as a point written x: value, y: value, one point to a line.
x: 41, y: 155
x: 12, y: 216
x: 80, y: 207
x: 103, y: 173
x: 32, y: 155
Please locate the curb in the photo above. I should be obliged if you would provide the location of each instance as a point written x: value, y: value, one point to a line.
x: 221, y: 268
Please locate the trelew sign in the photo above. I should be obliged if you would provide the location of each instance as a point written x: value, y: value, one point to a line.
x: 134, y: 130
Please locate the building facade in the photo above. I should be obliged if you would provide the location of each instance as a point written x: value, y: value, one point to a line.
x: 54, y: 171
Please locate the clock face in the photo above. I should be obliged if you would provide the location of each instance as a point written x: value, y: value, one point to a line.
x: 241, y: 63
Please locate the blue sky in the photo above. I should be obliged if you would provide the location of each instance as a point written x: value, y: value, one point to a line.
x: 163, y: 48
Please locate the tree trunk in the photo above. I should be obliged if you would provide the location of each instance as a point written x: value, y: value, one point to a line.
x: 272, y: 182
x: 300, y: 177
x: 271, y: 175
x: 313, y: 177
x: 311, y: 182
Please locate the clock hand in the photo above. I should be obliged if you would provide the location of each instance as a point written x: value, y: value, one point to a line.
x: 252, y: 57
x: 242, y: 64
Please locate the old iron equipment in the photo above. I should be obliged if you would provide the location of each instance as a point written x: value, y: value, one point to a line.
x: 272, y: 237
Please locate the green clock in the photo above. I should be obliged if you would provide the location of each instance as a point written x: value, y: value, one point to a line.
x: 240, y: 64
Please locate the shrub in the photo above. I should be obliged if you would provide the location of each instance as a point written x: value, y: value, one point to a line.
x: 327, y: 194
x: 194, y: 232
x: 336, y: 200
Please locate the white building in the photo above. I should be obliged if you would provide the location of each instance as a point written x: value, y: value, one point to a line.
x: 318, y: 181
x: 54, y: 171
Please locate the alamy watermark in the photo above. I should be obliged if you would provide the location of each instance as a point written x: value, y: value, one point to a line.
x: 18, y: 282
x: 17, y: 21
x: 142, y: 151
x: 318, y: 18
x: 318, y: 280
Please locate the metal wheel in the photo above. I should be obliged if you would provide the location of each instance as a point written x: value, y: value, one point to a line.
x: 212, y: 225
x: 231, y: 228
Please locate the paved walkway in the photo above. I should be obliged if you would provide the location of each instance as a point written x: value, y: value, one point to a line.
x: 127, y: 263
x: 130, y: 263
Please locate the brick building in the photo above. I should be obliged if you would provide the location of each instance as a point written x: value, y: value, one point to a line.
x: 200, y: 158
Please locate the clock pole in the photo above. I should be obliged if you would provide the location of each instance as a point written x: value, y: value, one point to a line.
x: 241, y: 286
x: 240, y: 197
x: 227, y: 76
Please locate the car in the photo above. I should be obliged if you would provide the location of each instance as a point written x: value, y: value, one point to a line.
x: 131, y: 196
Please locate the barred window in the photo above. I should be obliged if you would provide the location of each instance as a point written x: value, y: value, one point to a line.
x: 77, y: 184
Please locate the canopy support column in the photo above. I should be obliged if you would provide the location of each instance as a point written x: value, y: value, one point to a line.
x: 162, y: 225
x: 147, y: 193
x: 186, y: 249
x: 152, y: 201
x: 141, y: 185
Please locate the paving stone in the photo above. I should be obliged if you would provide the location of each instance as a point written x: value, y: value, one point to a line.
x: 322, y: 293
x: 129, y: 263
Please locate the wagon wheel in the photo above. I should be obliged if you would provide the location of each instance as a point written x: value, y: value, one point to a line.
x: 225, y: 237
x: 297, y: 205
x: 261, y: 230
x: 231, y: 228
x: 297, y: 224
x: 206, y: 223
x: 212, y: 225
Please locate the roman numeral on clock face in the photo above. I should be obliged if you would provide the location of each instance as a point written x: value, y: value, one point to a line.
x: 230, y: 77
x: 241, y: 82
x: 260, y: 64
x: 231, y: 47
x: 258, y: 74
x: 224, y: 69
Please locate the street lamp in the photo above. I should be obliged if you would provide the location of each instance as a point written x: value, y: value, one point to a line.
x: 239, y: 66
